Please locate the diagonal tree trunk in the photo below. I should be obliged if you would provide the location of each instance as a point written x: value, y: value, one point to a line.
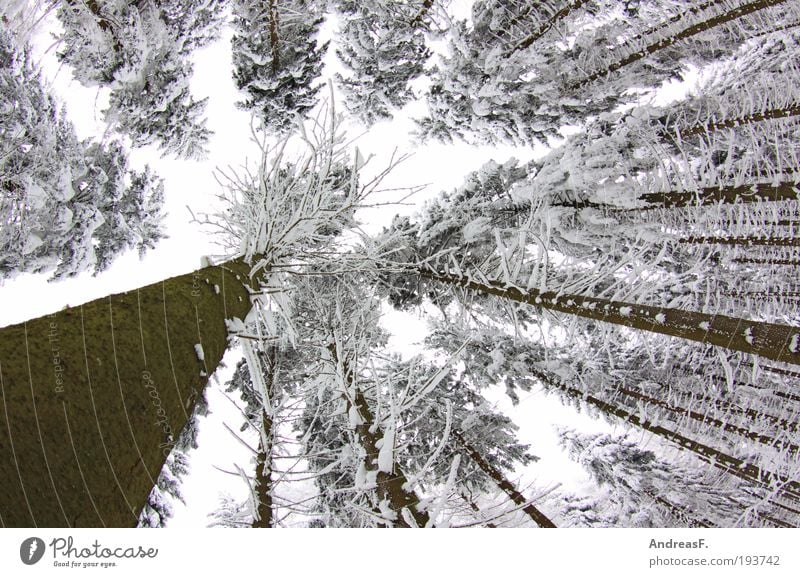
x: 544, y: 28
x: 391, y: 487
x: 92, y: 397
x: 505, y: 485
x: 768, y: 340
x: 698, y: 28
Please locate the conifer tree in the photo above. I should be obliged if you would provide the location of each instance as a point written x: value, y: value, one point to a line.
x: 276, y: 59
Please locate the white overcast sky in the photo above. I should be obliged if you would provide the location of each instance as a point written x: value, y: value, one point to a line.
x: 442, y: 166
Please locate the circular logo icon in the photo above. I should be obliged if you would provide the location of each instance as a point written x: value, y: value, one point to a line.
x: 31, y: 550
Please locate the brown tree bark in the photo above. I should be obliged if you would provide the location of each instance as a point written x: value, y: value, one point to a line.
x: 390, y: 486
x: 698, y: 28
x: 710, y: 455
x: 542, y: 30
x: 709, y: 127
x: 265, y: 517
x: 768, y: 340
x: 505, y: 485
x: 93, y: 396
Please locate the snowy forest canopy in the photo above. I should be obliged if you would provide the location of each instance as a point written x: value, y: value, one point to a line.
x: 644, y: 272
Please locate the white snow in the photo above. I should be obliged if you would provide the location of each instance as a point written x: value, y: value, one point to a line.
x: 794, y: 345
x: 386, y: 452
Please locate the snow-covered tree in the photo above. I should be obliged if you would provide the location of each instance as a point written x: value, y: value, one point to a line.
x: 71, y: 206
x: 141, y: 54
x: 382, y: 46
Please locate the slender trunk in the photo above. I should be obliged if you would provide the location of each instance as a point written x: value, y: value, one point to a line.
x: 745, y: 193
x: 688, y: 10
x: 93, y: 397
x: 678, y: 512
x: 712, y: 422
x: 274, y: 40
x: 725, y: 195
x: 767, y: 261
x: 709, y: 127
x: 710, y: 455
x: 771, y: 341
x: 507, y: 487
x: 741, y: 240
x: 544, y: 28
x: 391, y: 487
x: 265, y: 517
x: 698, y: 28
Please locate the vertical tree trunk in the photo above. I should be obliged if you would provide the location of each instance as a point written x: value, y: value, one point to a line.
x: 265, y: 516
x: 92, y: 397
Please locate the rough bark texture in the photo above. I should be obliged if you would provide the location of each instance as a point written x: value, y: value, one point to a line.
x: 504, y: 484
x: 724, y: 195
x: 93, y: 396
x: 768, y: 340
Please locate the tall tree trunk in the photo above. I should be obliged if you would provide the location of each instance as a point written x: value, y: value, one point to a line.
x: 698, y: 28
x: 741, y: 240
x: 708, y: 454
x: 93, y: 397
x: 274, y: 39
x: 265, y: 517
x: 724, y: 194
x: 391, y: 487
x: 711, y: 421
x: 505, y: 485
x: 709, y: 127
x: 544, y: 28
x: 771, y: 341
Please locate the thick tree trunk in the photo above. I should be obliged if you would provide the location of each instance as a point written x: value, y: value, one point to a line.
x: 93, y: 396
x: 698, y: 28
x: 772, y: 341
x: 504, y: 484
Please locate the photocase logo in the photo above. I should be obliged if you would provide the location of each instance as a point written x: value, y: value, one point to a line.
x: 31, y: 550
